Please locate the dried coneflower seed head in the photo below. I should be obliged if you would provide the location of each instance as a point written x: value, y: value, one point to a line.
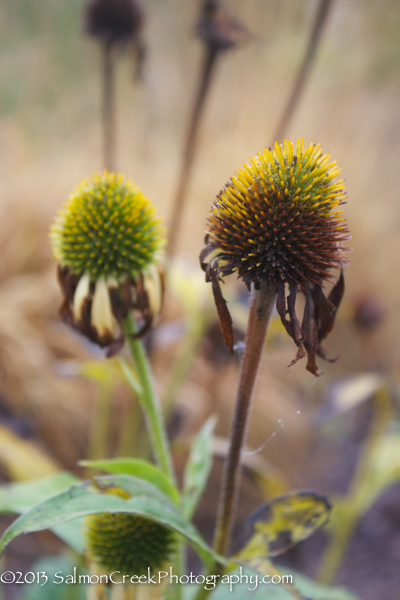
x: 278, y: 221
x: 107, y: 241
x: 218, y: 28
x: 114, y: 20
x: 128, y: 543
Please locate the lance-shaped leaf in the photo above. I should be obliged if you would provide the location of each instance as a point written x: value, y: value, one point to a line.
x: 137, y: 468
x: 21, y: 497
x: 83, y: 500
x: 283, y: 523
x: 198, y: 467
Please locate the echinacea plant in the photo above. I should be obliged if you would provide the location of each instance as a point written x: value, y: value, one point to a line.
x: 108, y: 245
x: 276, y: 223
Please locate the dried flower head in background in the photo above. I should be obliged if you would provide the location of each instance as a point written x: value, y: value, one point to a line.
x: 114, y: 21
x: 277, y: 221
x: 107, y: 242
x: 218, y: 28
x: 126, y: 542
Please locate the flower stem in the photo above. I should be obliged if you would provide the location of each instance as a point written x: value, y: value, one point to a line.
x: 305, y: 68
x: 261, y: 306
x: 108, y: 107
x: 190, y: 147
x: 150, y: 402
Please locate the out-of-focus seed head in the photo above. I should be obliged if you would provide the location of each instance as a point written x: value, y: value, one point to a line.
x: 218, y: 28
x: 278, y: 221
x: 128, y: 543
x: 114, y: 20
x: 107, y: 241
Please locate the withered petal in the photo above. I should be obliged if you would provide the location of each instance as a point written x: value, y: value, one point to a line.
x: 301, y: 352
x: 322, y: 353
x: 335, y: 297
x: 294, y: 322
x: 116, y: 304
x: 281, y: 307
x: 310, y: 333
x: 225, y: 318
x: 322, y: 301
x: 66, y: 313
x: 115, y: 346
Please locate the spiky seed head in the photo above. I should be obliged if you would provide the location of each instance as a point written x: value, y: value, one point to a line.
x: 277, y: 222
x: 114, y: 20
x: 128, y: 543
x: 108, y: 241
x: 107, y: 228
x: 278, y: 217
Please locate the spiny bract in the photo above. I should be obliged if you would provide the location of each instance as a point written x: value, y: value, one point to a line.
x: 107, y: 228
x: 128, y: 543
x: 275, y: 220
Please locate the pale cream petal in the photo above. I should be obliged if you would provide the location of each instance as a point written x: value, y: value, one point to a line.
x: 102, y: 318
x: 153, y: 287
x: 81, y: 293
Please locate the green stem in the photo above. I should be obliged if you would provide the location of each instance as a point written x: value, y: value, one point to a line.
x: 149, y: 402
x: 261, y: 306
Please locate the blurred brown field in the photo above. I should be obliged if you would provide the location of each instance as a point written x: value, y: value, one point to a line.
x: 50, y: 138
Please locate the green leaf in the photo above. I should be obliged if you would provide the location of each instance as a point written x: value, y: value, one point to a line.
x: 141, y: 469
x: 83, y: 500
x: 198, y: 467
x: 283, y: 523
x: 21, y: 497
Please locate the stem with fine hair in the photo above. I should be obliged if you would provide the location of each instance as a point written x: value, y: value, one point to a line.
x: 149, y: 401
x: 262, y: 303
x: 190, y: 146
x: 304, y: 69
x: 108, y: 106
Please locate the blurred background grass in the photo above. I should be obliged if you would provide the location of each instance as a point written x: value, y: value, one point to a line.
x: 50, y: 138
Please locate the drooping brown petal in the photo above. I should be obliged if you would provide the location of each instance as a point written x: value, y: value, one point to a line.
x: 115, y: 346
x: 335, y: 297
x: 66, y: 313
x: 203, y: 255
x: 310, y: 333
x: 281, y: 307
x: 322, y: 353
x: 293, y: 326
x: 126, y: 296
x: 322, y: 301
x: 294, y: 322
x: 225, y: 318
